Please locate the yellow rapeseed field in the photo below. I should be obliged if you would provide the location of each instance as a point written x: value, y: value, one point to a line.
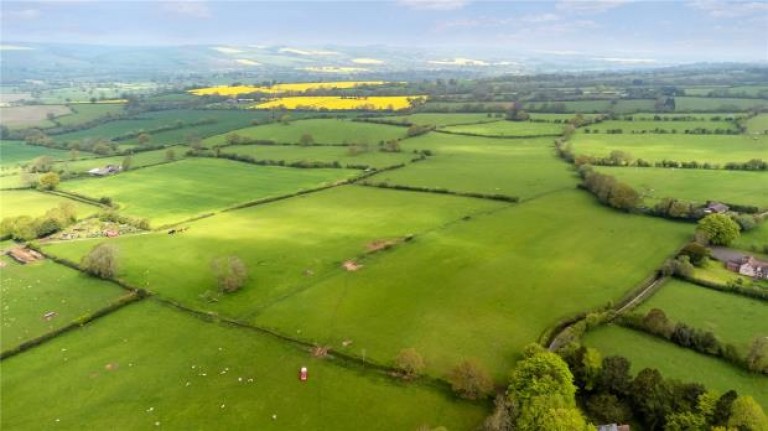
x: 394, y: 103
x: 299, y: 87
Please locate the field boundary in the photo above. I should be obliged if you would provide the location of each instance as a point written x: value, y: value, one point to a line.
x: 476, y: 135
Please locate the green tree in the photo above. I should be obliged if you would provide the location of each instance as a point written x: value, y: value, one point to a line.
x: 614, y: 376
x: 306, y: 140
x: 747, y: 415
x: 757, y: 357
x: 651, y: 397
x: 144, y: 138
x: 127, y: 161
x: 41, y: 164
x: 101, y: 261
x: 170, y: 155
x: 470, y: 380
x: 719, y: 229
x: 230, y: 272
x: 608, y: 408
x: 48, y: 181
x: 410, y: 362
x: 541, y: 373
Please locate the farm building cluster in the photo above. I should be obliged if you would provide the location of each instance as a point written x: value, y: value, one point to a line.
x: 749, y: 266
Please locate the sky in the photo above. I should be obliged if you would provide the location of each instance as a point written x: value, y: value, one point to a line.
x: 634, y: 30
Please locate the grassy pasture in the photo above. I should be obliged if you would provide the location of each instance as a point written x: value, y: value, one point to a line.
x: 508, y: 128
x: 669, y: 126
x: 323, y: 131
x: 696, y: 185
x: 520, y: 167
x: 140, y: 159
x: 645, y: 351
x: 441, y: 120
x: 287, y: 244
x: 83, y: 113
x: 17, y: 117
x: 225, y: 120
x: 176, y: 191
x: 697, y: 116
x: 755, y: 239
x: 732, y: 318
x: 29, y: 291
x: 717, y: 104
x: 15, y: 203
x: 295, y: 153
x: 484, y: 287
x: 701, y: 148
x: 598, y: 106
x: 716, y: 272
x: 758, y: 125
x: 16, y: 152
x: 148, y: 366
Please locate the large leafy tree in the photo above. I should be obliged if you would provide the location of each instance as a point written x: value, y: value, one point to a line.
x: 719, y: 229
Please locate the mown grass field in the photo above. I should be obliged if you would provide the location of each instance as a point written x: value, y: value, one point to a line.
x: 732, y: 318
x: 176, y: 191
x: 695, y: 185
x: 653, y: 148
x: 148, y: 366
x: 287, y: 244
x: 717, y: 104
x: 137, y: 160
x: 17, y: 117
x: 645, y: 351
x: 83, y: 113
x: 29, y: 291
x: 519, y: 167
x: 481, y: 288
x: 508, y: 129
x: 323, y: 131
x: 17, y: 152
x: 326, y: 154
x: 15, y: 203
x: 678, y: 127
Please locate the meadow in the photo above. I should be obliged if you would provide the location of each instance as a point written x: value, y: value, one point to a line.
x: 137, y: 160
x: 648, y: 126
x: 17, y: 117
x: 695, y: 185
x: 333, y: 103
x: 176, y: 191
x: 149, y: 366
x: 756, y: 239
x: 483, y: 287
x: 325, y: 154
x: 655, y: 148
x: 620, y: 106
x: 732, y: 318
x: 28, y: 292
x: 440, y: 120
x: 716, y: 272
x: 519, y: 167
x: 85, y: 112
x: 508, y: 129
x: 323, y: 131
x: 286, y: 244
x: 17, y: 152
x: 717, y: 104
x: 646, y: 351
x: 34, y: 204
x: 758, y: 124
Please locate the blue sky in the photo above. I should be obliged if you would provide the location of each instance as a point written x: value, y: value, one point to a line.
x: 685, y: 30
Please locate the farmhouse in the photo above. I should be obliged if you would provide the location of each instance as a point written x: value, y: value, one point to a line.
x: 106, y: 170
x: 749, y: 266
x: 613, y: 427
x: 716, y: 208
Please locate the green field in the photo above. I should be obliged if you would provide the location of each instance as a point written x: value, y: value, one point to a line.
x: 695, y: 185
x: 13, y: 153
x: 680, y: 127
x: 520, y: 167
x: 717, y: 104
x: 325, y: 154
x: 140, y: 159
x: 146, y: 122
x: 83, y: 113
x: 29, y: 291
x: 618, y: 106
x: 508, y: 129
x: 281, y: 242
x: 645, y: 351
x: 148, y: 366
x: 14, y: 203
x: 732, y: 318
x: 755, y: 239
x: 758, y: 124
x: 322, y: 131
x: 441, y: 120
x: 716, y: 272
x: 653, y: 148
x: 176, y: 191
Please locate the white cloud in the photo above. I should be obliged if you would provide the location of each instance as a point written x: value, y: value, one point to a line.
x: 434, y: 4
x: 589, y: 6
x: 28, y: 13
x: 731, y: 9
x: 15, y: 48
x: 625, y: 60
x: 192, y: 8
x: 544, y: 17
x: 310, y: 52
